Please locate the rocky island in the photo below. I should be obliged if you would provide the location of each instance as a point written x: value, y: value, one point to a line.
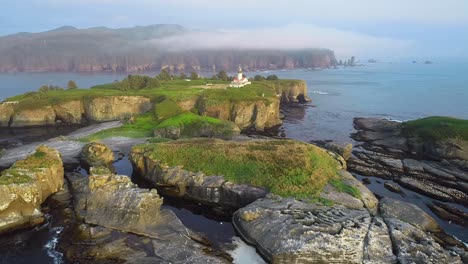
x: 294, y: 202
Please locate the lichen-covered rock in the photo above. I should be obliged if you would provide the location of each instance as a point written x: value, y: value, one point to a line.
x: 97, y: 154
x: 413, y: 245
x: 289, y: 231
x: 116, y: 107
x: 6, y: 112
x: 378, y: 245
x: 70, y: 112
x: 26, y: 185
x: 34, y: 117
x: 409, y: 213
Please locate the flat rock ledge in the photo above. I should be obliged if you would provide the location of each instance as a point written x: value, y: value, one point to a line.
x: 286, y: 230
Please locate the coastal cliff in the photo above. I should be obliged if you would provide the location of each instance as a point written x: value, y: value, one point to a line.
x: 128, y: 50
x: 255, y: 107
x: 26, y: 185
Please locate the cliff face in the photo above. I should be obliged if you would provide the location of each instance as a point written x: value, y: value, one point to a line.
x: 26, y: 185
x: 246, y: 115
x: 75, y: 112
x: 137, y: 49
x: 116, y: 107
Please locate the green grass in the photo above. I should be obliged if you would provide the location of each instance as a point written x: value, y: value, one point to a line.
x: 192, y: 125
x: 437, y: 128
x: 343, y: 187
x: 287, y: 168
x: 166, y: 109
x: 141, y: 128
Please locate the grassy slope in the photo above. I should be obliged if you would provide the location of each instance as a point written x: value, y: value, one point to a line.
x: 287, y: 168
x: 437, y: 128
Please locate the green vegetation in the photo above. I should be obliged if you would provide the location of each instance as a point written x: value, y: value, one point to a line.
x: 141, y: 127
x: 286, y: 167
x: 343, y: 187
x: 71, y: 85
x: 193, y: 125
x: 166, y: 109
x: 437, y: 128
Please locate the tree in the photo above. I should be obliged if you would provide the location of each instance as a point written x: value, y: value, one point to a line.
x: 259, y: 78
x: 164, y: 75
x: 71, y: 85
x: 124, y: 85
x: 193, y: 75
x: 272, y: 78
x: 153, y: 83
x: 214, y: 77
x: 222, y: 75
x: 183, y: 76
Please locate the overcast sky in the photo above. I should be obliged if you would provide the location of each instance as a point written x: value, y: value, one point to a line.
x: 382, y: 28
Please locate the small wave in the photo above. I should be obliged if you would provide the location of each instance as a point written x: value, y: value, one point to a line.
x: 319, y: 92
x: 56, y: 256
x: 244, y: 253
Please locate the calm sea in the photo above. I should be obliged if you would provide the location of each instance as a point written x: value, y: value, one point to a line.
x: 398, y: 91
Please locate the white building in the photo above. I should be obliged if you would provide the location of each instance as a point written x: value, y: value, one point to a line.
x: 239, y: 81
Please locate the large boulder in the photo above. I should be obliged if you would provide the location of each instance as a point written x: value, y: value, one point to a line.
x: 26, y: 185
x: 116, y: 107
x: 97, y: 154
x: 285, y: 230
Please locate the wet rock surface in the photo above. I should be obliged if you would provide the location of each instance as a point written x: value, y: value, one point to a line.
x: 286, y: 230
x: 429, y: 168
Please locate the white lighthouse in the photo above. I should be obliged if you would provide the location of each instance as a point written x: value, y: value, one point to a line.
x: 240, y: 80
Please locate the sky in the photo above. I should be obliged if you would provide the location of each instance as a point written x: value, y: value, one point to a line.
x: 380, y: 28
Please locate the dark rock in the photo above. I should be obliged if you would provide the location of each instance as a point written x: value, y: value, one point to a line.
x: 449, y: 213
x: 393, y: 188
x: 366, y: 181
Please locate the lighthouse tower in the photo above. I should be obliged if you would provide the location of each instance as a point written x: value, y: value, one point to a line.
x: 239, y: 81
x: 240, y: 74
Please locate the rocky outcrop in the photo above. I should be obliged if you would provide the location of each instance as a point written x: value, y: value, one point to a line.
x: 115, y: 107
x: 71, y: 112
x: 26, y: 185
x: 246, y: 115
x: 388, y: 153
x: 97, y: 155
x: 43, y: 116
x: 212, y: 190
x: 285, y: 230
x: 110, y: 209
x: 293, y: 92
